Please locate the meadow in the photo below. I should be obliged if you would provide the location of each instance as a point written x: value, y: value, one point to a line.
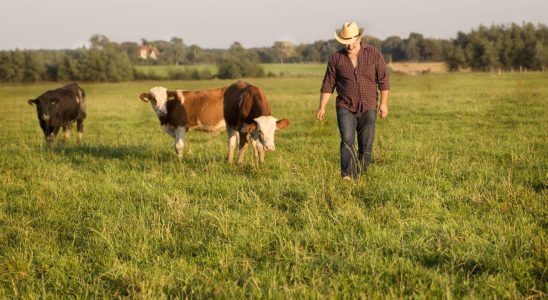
x: 277, y: 70
x: 454, y: 205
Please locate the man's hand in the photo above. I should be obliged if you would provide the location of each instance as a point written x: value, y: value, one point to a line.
x: 320, y: 114
x: 383, y: 110
x: 324, y: 98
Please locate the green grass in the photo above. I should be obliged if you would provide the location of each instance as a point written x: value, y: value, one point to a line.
x: 281, y: 70
x: 454, y: 206
x: 163, y: 71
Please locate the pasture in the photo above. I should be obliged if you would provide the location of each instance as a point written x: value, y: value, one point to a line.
x: 280, y: 70
x: 454, y: 205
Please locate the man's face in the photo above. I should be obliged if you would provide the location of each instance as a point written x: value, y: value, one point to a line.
x: 354, y: 47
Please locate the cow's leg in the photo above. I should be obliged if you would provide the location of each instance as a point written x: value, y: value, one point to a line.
x: 79, y: 129
x: 254, y: 143
x: 66, y: 132
x: 180, y: 133
x: 258, y: 149
x: 232, y: 142
x: 243, y: 147
x: 169, y: 130
x: 53, y: 133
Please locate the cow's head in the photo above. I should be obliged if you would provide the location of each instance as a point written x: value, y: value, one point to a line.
x: 47, y: 106
x: 264, y: 129
x: 158, y: 97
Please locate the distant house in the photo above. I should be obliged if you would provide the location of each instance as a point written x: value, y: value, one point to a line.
x: 148, y: 51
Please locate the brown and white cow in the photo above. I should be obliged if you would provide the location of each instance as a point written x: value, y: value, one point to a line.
x: 60, y: 108
x: 248, y: 116
x: 181, y: 111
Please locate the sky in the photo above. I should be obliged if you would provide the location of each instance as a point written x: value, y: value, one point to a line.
x: 69, y: 24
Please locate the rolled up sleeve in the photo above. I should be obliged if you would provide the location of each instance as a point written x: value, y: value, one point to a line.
x: 382, y: 73
x: 329, y: 80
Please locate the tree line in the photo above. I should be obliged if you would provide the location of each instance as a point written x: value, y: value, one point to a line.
x: 483, y: 49
x: 508, y: 47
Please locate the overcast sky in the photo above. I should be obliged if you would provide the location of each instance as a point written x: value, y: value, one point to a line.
x: 68, y: 24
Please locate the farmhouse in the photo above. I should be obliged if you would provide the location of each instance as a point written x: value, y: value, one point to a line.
x: 148, y: 51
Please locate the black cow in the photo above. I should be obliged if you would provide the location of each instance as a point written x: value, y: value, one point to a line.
x: 60, y: 108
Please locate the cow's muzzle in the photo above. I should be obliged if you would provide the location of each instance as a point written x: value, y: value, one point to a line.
x: 269, y: 147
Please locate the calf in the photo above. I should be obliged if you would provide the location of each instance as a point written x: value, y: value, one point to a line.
x: 60, y: 108
x: 247, y: 115
x: 181, y: 111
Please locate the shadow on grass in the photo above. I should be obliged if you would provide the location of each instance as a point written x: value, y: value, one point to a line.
x: 76, y: 152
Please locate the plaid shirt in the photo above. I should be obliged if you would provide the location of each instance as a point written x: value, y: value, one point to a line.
x: 356, y: 87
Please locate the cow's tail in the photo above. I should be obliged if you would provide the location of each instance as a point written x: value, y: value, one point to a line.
x: 82, y: 100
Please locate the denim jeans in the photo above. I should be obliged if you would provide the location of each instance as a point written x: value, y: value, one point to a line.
x: 364, y: 125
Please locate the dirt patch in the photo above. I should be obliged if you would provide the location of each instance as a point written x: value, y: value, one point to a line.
x: 418, y: 68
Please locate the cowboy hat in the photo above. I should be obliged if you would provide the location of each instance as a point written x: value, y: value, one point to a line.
x: 349, y: 33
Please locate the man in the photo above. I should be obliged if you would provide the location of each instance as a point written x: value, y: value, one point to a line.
x: 356, y: 72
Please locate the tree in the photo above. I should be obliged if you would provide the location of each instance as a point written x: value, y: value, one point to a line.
x: 238, y: 62
x: 193, y: 54
x: 327, y: 48
x: 175, y: 53
x: 456, y: 59
x: 283, y: 51
x: 98, y: 41
x: 411, y: 47
x: 7, y: 69
x: 18, y: 59
x: 311, y: 54
x: 35, y: 68
x: 540, y: 59
x: 392, y: 47
x: 372, y: 41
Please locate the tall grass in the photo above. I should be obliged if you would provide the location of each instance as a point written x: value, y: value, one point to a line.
x: 454, y: 205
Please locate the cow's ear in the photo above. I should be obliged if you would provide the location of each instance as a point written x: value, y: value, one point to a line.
x: 31, y: 101
x: 145, y: 97
x: 248, y: 128
x: 172, y: 95
x: 280, y: 124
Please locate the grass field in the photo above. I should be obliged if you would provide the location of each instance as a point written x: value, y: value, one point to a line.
x: 454, y: 206
x: 280, y: 70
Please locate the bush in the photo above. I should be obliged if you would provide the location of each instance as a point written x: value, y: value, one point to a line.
x: 151, y: 75
x: 189, y: 74
x: 231, y: 67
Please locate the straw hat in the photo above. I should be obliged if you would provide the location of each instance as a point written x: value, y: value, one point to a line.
x: 349, y: 33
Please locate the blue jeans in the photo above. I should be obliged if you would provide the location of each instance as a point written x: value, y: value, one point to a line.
x: 364, y: 125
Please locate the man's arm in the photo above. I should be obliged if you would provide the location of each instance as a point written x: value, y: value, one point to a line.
x: 383, y: 84
x: 383, y: 108
x: 328, y: 86
x: 324, y: 98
